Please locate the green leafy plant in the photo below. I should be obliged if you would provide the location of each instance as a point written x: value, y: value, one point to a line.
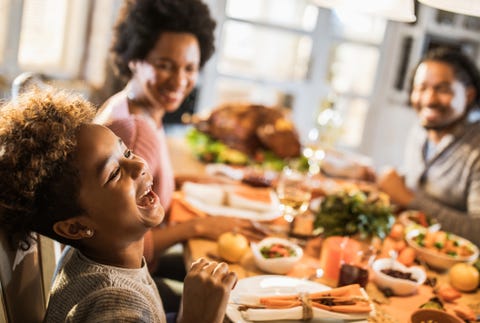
x: 364, y: 214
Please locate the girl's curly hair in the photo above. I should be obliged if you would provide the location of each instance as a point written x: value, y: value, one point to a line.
x: 40, y: 181
x: 141, y: 22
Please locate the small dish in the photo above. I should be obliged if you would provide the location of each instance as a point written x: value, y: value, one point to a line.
x: 433, y: 315
x: 277, y: 265
x: 437, y: 259
x: 399, y: 286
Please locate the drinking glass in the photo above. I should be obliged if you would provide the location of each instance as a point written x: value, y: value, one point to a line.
x: 293, y: 193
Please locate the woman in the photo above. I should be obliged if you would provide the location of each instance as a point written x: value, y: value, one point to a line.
x: 77, y: 183
x: 159, y: 47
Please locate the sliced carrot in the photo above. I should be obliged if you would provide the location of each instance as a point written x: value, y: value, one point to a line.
x: 357, y: 308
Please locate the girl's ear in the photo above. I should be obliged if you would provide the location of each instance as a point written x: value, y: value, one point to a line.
x: 75, y: 228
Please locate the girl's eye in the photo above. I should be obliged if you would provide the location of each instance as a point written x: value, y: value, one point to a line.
x: 128, y: 153
x: 114, y: 174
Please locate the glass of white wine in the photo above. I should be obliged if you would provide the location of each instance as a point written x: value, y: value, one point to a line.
x: 293, y: 192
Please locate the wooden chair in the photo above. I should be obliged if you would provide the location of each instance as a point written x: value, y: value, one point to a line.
x: 26, y: 279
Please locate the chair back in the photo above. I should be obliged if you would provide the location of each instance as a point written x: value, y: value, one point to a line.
x: 25, y: 278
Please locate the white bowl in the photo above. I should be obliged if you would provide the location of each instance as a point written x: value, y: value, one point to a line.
x: 398, y: 286
x: 437, y: 259
x: 275, y: 265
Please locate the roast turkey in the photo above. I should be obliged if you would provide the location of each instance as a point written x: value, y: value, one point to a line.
x: 252, y: 127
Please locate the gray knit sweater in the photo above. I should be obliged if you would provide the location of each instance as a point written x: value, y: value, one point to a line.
x: 447, y: 185
x: 86, y: 291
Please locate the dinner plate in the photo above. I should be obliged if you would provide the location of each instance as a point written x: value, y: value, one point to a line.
x: 249, y: 290
x: 257, y: 215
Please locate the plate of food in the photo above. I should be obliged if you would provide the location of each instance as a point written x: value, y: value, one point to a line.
x: 241, y: 201
x: 441, y: 249
x: 255, y: 299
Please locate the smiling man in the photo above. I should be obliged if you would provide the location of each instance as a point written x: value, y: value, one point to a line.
x: 442, y: 161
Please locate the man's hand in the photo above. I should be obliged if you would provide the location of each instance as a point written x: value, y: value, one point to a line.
x: 393, y: 184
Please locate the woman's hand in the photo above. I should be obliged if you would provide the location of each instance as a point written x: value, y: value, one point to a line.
x: 393, y: 184
x: 212, y: 227
x: 206, y: 292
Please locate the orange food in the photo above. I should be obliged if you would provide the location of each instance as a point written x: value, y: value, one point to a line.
x: 464, y: 277
x: 232, y: 246
x: 397, y: 232
x: 447, y: 293
x: 407, y: 256
x: 465, y: 313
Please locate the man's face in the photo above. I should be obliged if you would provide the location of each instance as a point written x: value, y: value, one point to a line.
x: 437, y: 96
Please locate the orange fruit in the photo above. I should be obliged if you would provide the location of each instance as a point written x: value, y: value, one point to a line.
x: 464, y: 277
x: 232, y: 246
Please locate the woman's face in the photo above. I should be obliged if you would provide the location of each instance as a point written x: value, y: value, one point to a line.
x: 437, y: 96
x: 115, y: 188
x: 170, y: 70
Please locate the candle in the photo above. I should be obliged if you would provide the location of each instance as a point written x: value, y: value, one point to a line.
x: 336, y: 251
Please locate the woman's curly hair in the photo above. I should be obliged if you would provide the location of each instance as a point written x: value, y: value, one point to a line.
x: 141, y: 22
x: 463, y: 67
x: 40, y: 182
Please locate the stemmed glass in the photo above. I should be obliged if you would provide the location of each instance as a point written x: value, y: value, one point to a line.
x: 293, y: 193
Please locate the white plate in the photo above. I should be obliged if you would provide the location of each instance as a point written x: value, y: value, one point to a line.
x: 217, y: 210
x: 248, y: 290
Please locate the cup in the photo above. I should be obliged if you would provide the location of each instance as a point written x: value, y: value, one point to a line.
x: 293, y: 193
x: 337, y: 250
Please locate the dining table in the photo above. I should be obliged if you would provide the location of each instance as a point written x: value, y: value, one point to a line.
x: 387, y: 308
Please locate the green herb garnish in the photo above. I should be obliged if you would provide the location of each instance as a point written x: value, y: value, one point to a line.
x: 355, y: 213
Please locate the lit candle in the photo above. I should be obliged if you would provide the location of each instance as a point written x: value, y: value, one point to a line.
x: 336, y: 251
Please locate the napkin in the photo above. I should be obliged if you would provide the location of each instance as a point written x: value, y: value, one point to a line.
x: 346, y: 303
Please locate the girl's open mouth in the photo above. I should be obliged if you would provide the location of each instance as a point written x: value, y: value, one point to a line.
x: 148, y: 200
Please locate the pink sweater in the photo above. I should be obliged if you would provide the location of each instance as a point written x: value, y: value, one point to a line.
x: 141, y: 134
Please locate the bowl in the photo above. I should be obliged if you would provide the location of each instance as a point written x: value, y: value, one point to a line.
x: 438, y: 259
x: 399, y: 286
x: 277, y: 265
x: 432, y: 315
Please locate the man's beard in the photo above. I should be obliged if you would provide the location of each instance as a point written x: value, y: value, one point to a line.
x: 449, y: 125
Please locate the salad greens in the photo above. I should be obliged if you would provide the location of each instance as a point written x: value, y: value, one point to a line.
x: 210, y: 150
x: 365, y: 214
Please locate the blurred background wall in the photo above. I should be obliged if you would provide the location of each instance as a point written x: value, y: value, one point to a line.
x: 292, y: 53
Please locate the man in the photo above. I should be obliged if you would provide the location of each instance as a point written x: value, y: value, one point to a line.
x: 442, y: 161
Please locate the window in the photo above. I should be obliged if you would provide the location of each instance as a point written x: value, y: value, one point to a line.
x: 352, y: 69
x: 52, y: 36
x: 264, y: 52
x: 253, y: 51
x: 4, y: 10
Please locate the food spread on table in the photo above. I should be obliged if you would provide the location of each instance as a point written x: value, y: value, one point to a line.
x: 243, y: 133
x: 357, y: 218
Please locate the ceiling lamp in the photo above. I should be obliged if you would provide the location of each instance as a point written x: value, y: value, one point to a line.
x: 464, y: 7
x: 398, y: 10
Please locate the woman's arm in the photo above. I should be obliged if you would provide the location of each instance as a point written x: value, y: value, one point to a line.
x: 203, y: 227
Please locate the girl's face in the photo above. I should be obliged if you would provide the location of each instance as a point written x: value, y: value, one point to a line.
x: 115, y: 188
x: 170, y: 70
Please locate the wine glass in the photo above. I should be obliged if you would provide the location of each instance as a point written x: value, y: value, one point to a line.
x: 293, y: 193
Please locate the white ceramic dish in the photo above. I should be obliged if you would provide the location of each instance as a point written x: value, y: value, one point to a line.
x: 398, y: 286
x: 275, y: 265
x: 249, y: 290
x: 439, y: 260
x: 209, y: 199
